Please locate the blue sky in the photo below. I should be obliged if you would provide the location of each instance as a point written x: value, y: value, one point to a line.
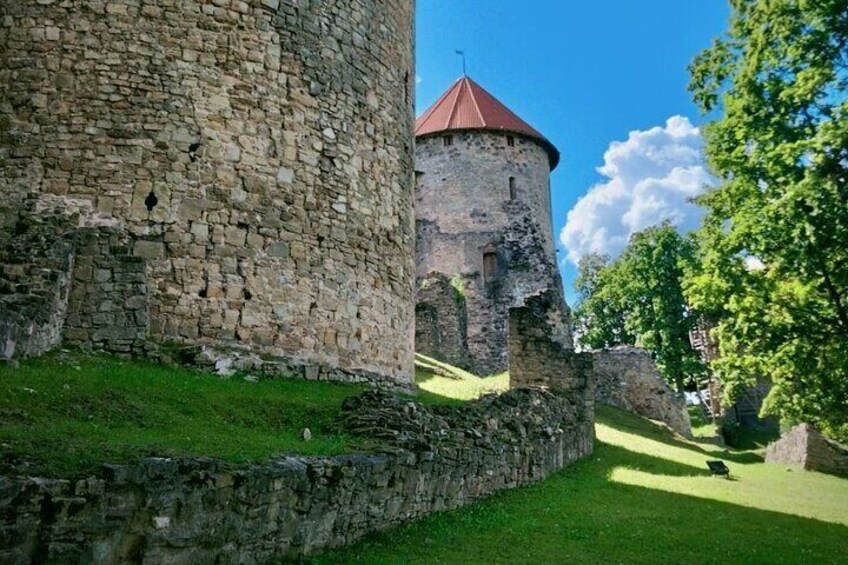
x: 586, y: 74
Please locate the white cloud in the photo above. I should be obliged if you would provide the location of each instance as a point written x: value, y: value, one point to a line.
x: 418, y: 79
x: 652, y: 178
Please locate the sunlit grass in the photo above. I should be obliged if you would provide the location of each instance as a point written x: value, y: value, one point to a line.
x: 701, y: 428
x: 644, y: 496
x: 452, y: 383
x: 753, y: 483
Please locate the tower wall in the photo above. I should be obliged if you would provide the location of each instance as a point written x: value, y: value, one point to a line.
x: 464, y: 210
x: 275, y: 137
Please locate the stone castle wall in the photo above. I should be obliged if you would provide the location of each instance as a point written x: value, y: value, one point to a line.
x: 257, y: 153
x: 806, y: 448
x: 540, y: 353
x: 441, y: 321
x: 67, y: 275
x: 627, y: 378
x: 198, y: 511
x: 464, y: 209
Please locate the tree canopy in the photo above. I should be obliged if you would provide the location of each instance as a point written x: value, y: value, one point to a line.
x: 774, y: 244
x: 638, y: 300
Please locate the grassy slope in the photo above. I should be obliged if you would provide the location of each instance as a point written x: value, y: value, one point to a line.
x: 645, y: 496
x: 70, y: 413
x: 440, y: 382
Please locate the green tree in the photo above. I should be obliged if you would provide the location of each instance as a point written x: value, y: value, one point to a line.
x: 774, y: 245
x: 638, y: 300
x: 599, y: 316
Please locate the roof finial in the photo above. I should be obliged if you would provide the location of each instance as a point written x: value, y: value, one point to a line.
x: 462, y: 53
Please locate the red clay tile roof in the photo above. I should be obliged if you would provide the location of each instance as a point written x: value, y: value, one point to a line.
x: 467, y: 106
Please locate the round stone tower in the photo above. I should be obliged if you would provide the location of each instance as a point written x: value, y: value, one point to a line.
x: 483, y: 221
x: 257, y: 155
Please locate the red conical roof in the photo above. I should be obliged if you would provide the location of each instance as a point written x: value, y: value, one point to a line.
x: 467, y: 106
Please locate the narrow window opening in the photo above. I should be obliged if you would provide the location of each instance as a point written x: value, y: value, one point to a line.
x: 192, y: 151
x: 510, y: 141
x: 490, y: 265
x: 151, y: 201
x: 448, y: 140
x: 512, y: 191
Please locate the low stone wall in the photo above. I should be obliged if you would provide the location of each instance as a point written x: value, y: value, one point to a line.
x: 805, y: 447
x: 627, y: 378
x: 197, y: 511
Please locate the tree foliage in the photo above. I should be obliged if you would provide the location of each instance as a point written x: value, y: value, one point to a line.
x: 774, y: 244
x: 638, y: 300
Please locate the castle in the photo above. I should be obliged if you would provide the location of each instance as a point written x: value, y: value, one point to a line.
x: 231, y: 182
x: 484, y: 237
x: 228, y: 176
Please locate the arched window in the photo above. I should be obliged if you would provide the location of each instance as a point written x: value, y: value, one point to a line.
x: 490, y: 265
x: 512, y: 191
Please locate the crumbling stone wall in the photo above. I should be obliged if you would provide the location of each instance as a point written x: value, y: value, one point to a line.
x: 464, y: 210
x: 36, y: 264
x: 200, y: 511
x: 66, y: 275
x: 539, y: 356
x: 441, y: 321
x: 805, y: 447
x: 258, y: 153
x: 107, y: 306
x: 627, y: 377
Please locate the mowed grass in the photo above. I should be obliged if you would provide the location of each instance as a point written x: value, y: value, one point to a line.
x: 442, y: 383
x: 645, y: 496
x: 66, y: 414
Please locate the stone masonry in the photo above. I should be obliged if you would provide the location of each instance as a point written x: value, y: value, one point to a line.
x: 464, y: 210
x: 540, y: 355
x: 66, y: 272
x: 627, y: 378
x: 441, y: 321
x: 198, y: 511
x: 257, y: 155
x: 806, y: 448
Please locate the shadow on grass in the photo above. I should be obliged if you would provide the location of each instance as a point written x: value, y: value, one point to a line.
x: 648, y: 463
x: 580, y: 515
x: 630, y: 423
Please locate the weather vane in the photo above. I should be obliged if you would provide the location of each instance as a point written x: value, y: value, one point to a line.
x: 462, y: 53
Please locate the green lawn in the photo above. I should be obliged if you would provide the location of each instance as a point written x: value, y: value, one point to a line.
x: 701, y: 426
x: 440, y: 382
x: 645, y: 496
x: 68, y: 413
